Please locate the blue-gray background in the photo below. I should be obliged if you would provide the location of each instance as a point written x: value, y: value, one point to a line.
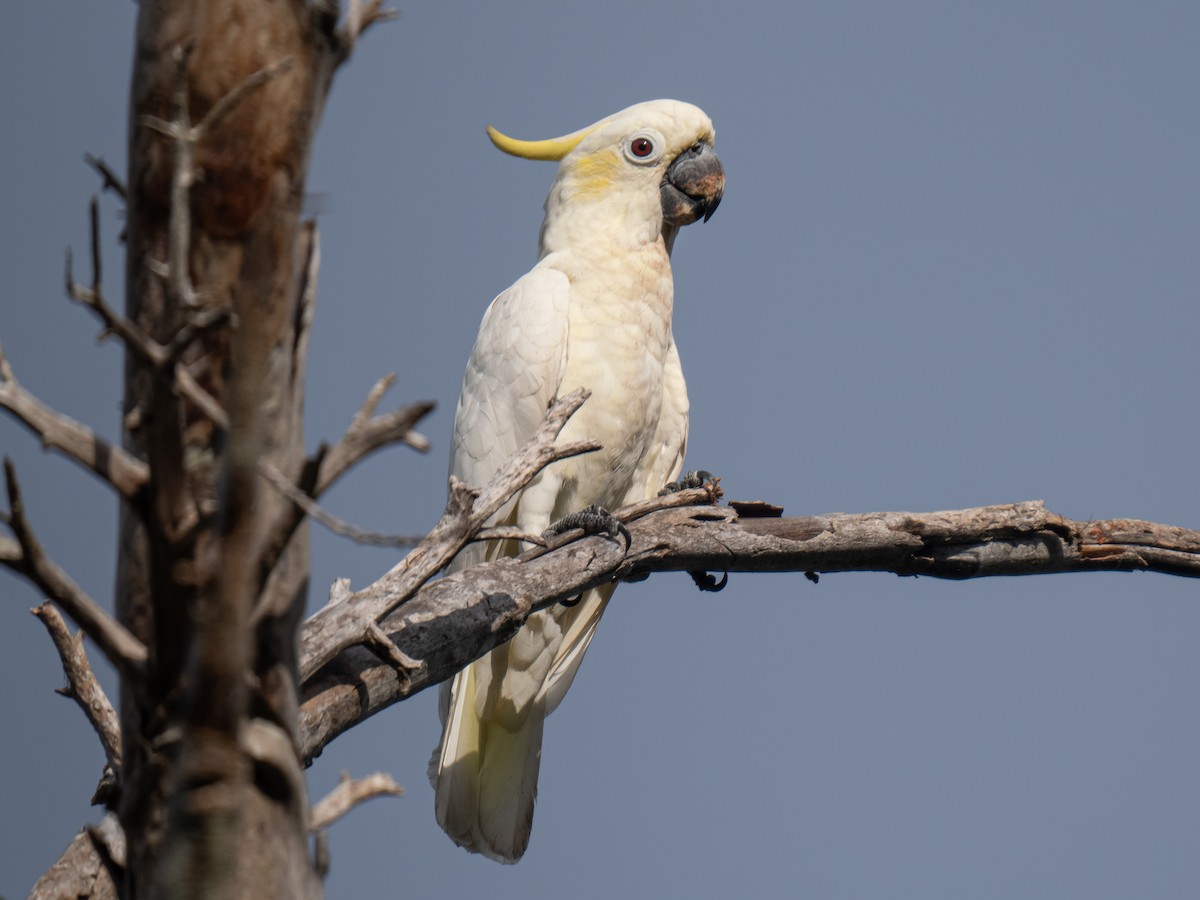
x: 957, y: 263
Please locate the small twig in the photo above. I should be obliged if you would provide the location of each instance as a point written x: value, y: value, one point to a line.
x: 358, y: 20
x: 190, y: 388
x: 340, y: 527
x: 230, y: 101
x: 349, y: 793
x: 94, y: 219
x: 140, y: 344
x: 339, y: 590
x: 115, y: 465
x: 112, y: 182
x: 179, y: 228
x: 509, y: 533
x: 127, y: 654
x: 368, y: 432
x: 185, y: 137
x: 405, y: 667
x: 198, y: 324
x: 83, y: 687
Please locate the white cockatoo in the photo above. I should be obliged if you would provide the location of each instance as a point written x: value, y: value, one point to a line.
x: 594, y: 312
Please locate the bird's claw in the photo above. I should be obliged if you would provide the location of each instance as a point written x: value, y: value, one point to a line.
x: 706, y: 581
x: 594, y: 519
x: 697, y: 478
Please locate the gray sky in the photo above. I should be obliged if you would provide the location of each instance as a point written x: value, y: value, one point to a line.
x: 956, y: 264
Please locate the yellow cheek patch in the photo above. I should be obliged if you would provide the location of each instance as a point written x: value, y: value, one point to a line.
x: 595, y: 172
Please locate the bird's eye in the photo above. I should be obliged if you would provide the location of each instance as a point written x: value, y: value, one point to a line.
x: 644, y: 147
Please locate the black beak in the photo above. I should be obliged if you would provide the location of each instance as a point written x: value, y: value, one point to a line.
x: 693, y: 186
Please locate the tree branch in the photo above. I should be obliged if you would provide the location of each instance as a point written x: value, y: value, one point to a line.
x: 340, y: 527
x: 82, y: 686
x: 357, y: 21
x: 116, y: 466
x: 349, y: 793
x: 367, y: 433
x: 111, y: 181
x: 137, y: 342
x: 457, y: 619
x: 126, y: 653
x: 336, y: 627
x: 90, y: 867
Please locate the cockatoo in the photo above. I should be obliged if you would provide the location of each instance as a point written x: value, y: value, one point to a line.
x: 594, y: 312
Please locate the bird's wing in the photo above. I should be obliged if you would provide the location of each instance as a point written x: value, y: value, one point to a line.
x: 512, y: 376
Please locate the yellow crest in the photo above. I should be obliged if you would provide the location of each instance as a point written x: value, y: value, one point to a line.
x: 549, y: 149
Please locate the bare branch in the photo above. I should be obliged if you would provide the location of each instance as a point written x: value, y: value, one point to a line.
x: 97, y: 256
x: 508, y: 533
x: 140, y: 344
x: 121, y: 648
x: 349, y: 793
x: 119, y: 468
x: 340, y: 527
x: 368, y: 432
x: 185, y: 137
x: 230, y: 101
x: 334, y: 628
x: 86, y: 867
x: 136, y: 341
x: 179, y: 230
x: 112, y: 181
x: 199, y: 323
x: 83, y: 687
x: 405, y: 666
x: 457, y: 619
x: 358, y: 20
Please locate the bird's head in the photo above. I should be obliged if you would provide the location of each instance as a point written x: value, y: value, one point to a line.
x: 633, y: 176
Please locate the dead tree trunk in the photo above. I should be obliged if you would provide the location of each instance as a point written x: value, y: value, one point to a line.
x: 224, y: 105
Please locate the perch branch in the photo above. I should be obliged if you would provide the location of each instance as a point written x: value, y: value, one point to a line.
x: 126, y: 653
x: 119, y: 468
x: 349, y: 793
x: 334, y: 628
x: 457, y: 619
x: 82, y: 686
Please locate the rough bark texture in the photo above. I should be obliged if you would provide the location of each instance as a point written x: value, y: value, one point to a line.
x: 213, y: 800
x: 455, y: 620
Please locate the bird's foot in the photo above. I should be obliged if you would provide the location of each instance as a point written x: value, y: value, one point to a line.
x: 697, y: 478
x: 594, y: 519
x: 700, y: 478
x: 707, y: 581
